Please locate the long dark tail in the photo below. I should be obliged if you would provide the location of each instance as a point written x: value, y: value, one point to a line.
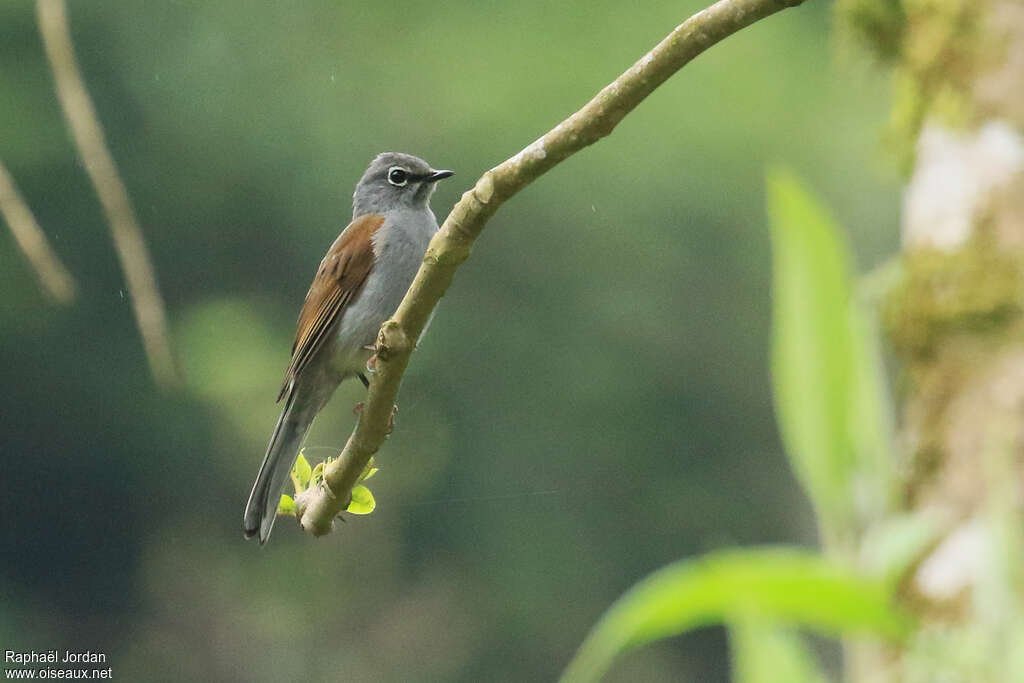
x: 261, y: 510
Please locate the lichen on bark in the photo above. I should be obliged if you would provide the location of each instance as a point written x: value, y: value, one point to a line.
x: 945, y: 294
x: 938, y: 49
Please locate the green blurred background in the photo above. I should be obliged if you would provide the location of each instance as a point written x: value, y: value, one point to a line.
x: 591, y: 402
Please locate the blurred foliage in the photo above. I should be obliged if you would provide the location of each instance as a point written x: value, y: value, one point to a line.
x: 734, y: 586
x: 813, y: 365
x: 592, y: 400
x: 764, y: 652
x: 828, y: 393
x: 828, y: 376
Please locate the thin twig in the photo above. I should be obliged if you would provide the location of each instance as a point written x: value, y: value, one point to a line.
x: 53, y: 276
x: 124, y: 228
x: 451, y: 246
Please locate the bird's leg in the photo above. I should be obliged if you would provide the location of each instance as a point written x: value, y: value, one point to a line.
x: 358, y: 409
x: 371, y: 362
x: 371, y: 368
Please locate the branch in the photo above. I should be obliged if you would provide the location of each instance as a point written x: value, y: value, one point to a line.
x: 54, y: 277
x: 451, y: 246
x: 124, y: 228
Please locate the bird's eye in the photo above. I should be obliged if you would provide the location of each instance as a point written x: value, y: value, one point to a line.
x: 398, y: 176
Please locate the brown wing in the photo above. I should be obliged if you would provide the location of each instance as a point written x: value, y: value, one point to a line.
x: 338, y: 279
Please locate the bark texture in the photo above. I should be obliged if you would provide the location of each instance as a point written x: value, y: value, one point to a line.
x: 955, y: 323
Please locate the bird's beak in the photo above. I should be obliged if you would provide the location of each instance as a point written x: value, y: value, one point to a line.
x: 434, y: 176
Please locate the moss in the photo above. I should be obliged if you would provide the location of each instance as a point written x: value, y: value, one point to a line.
x: 950, y: 312
x: 976, y: 289
x: 937, y: 383
x: 878, y: 24
x: 938, y: 49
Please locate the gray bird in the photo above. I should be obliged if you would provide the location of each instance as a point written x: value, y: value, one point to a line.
x: 357, y: 287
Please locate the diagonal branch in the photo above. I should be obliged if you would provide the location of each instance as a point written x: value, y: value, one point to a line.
x: 124, y: 228
x: 317, y: 509
x: 54, y: 277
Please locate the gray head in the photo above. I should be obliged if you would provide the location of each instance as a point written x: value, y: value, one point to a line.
x: 395, y: 180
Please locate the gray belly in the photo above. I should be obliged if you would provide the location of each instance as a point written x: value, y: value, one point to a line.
x: 379, y: 299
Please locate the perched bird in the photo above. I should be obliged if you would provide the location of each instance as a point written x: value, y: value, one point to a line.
x: 357, y: 287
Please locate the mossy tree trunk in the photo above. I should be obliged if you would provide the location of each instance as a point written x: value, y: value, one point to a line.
x: 955, y: 323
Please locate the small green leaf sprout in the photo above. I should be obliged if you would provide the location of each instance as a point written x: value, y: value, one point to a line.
x: 304, y: 477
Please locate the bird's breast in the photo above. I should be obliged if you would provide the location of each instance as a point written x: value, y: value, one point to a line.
x: 398, y: 250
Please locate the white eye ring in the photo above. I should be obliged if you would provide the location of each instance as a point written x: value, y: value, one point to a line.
x: 398, y: 176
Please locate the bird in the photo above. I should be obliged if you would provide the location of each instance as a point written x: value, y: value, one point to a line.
x: 357, y: 287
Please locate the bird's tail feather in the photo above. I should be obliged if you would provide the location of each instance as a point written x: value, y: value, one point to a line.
x: 261, y: 510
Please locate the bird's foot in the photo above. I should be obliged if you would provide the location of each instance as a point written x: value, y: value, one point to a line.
x: 371, y: 362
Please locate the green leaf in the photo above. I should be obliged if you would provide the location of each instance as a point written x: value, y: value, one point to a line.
x: 318, y: 473
x: 870, y: 421
x: 369, y: 470
x: 362, y: 501
x: 786, y: 585
x: 301, y: 472
x: 286, y: 506
x: 812, y: 346
x: 763, y: 652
